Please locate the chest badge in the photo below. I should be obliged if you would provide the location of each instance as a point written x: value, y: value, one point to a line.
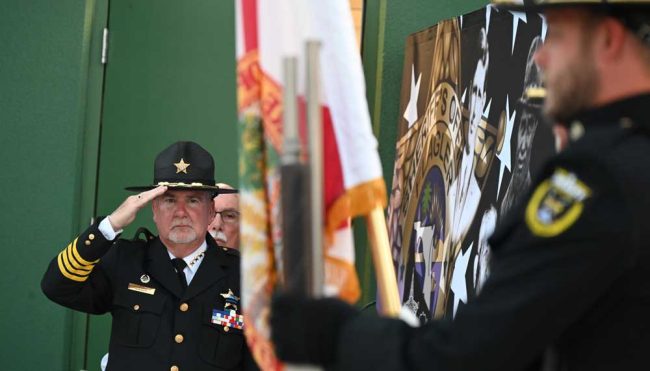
x: 556, y: 204
x: 145, y: 278
x: 232, y: 301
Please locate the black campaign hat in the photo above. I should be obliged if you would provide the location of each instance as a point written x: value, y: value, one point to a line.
x: 634, y: 14
x: 539, y: 5
x: 184, y: 165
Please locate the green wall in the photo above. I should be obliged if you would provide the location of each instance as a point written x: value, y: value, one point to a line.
x: 43, y: 69
x: 170, y: 76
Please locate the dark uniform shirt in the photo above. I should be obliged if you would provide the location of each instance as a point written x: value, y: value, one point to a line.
x: 570, y: 269
x: 156, y: 324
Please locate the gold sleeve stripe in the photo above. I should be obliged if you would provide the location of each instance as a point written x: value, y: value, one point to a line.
x: 73, y: 262
x: 68, y: 267
x: 65, y: 273
x: 75, y: 252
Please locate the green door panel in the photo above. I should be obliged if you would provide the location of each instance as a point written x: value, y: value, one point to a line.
x: 170, y: 76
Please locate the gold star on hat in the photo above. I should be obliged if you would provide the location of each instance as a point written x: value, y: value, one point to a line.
x: 181, y: 166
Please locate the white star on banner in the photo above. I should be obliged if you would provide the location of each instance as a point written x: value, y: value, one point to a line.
x: 504, y: 155
x: 488, y: 13
x: 411, y: 112
x: 486, y: 111
x: 458, y: 280
x: 516, y: 16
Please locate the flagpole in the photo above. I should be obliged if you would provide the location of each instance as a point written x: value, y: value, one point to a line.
x: 313, y: 279
x: 315, y: 130
x: 296, y: 259
x: 389, y: 302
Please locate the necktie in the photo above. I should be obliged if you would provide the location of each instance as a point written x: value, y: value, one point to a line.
x: 179, y: 264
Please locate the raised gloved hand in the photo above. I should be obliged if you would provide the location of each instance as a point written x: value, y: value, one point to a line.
x: 307, y: 330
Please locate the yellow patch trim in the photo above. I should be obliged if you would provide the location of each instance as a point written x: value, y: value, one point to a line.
x: 558, y: 226
x: 75, y: 252
x: 65, y: 273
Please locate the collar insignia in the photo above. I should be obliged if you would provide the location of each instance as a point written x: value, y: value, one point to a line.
x: 576, y: 131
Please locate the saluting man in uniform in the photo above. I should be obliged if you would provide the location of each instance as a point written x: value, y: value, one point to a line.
x: 569, y: 267
x: 174, y: 298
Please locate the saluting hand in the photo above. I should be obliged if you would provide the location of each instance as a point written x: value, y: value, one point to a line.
x: 126, y: 212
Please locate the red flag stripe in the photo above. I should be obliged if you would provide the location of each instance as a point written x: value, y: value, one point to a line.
x: 249, y: 18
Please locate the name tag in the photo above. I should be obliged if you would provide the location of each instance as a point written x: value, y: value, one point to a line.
x: 142, y: 289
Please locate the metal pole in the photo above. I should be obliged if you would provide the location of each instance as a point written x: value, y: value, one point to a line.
x: 296, y: 259
x: 315, y: 129
x: 304, y: 266
x: 291, y: 144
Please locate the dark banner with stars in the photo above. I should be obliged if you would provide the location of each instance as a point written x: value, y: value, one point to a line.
x: 469, y: 139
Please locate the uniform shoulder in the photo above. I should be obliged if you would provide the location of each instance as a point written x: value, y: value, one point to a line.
x: 140, y: 240
x: 142, y: 235
x: 231, y: 252
x: 227, y: 256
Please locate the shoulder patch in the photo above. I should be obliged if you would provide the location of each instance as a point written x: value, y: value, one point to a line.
x: 556, y: 204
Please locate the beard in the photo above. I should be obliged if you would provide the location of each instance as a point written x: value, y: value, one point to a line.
x: 184, y: 234
x: 178, y: 236
x: 573, y: 89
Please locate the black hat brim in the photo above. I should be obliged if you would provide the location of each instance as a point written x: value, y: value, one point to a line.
x: 531, y: 6
x: 186, y: 187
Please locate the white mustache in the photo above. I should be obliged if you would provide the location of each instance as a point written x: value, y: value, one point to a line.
x: 177, y: 222
x: 219, y: 236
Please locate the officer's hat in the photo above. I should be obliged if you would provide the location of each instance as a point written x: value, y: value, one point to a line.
x: 184, y: 165
x: 634, y: 14
x: 539, y: 5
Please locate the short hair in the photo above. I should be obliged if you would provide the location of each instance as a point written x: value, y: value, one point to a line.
x: 635, y: 24
x: 226, y: 186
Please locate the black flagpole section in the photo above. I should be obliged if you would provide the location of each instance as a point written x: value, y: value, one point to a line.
x: 296, y: 254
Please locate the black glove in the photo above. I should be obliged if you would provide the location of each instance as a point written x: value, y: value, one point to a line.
x: 306, y: 330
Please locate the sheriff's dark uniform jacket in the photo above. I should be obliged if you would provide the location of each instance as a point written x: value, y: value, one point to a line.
x: 570, y: 269
x: 155, y: 325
